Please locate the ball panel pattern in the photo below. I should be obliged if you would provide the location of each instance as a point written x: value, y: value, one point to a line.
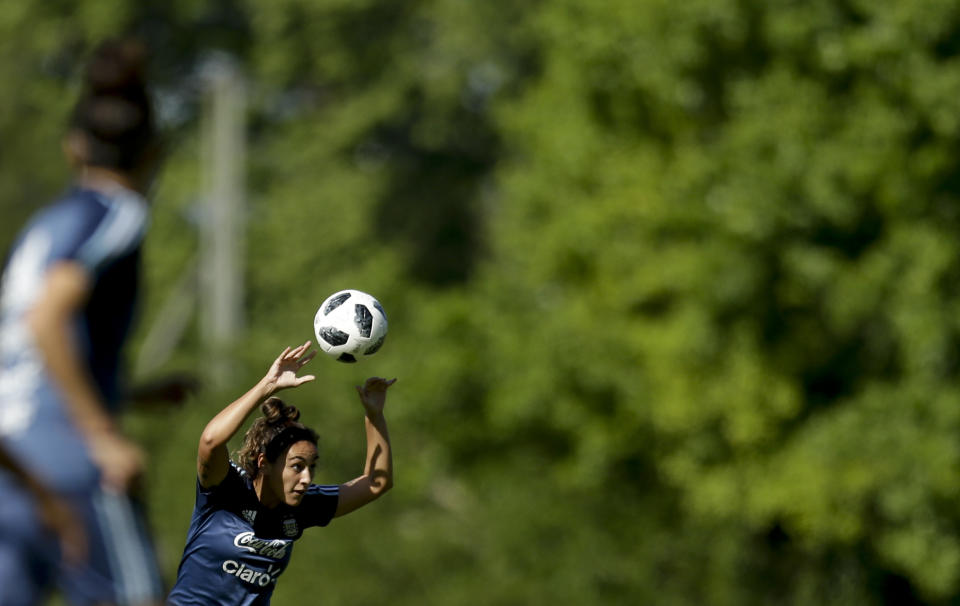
x: 335, y: 301
x: 363, y: 319
x: 333, y: 336
x: 375, y: 347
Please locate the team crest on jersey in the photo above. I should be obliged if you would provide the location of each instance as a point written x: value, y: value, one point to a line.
x: 290, y: 528
x: 249, y: 515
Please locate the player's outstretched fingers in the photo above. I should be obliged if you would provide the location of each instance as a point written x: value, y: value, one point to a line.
x: 303, y: 361
x: 304, y: 379
x: 300, y: 349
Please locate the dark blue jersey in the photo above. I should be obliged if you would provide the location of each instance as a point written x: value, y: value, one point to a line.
x: 237, y: 548
x: 102, y: 232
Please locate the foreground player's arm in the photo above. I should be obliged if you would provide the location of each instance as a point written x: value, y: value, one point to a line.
x: 213, y: 459
x: 66, y: 288
x: 377, y: 475
x: 52, y: 511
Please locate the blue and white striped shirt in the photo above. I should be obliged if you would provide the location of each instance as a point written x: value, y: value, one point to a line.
x: 102, y: 232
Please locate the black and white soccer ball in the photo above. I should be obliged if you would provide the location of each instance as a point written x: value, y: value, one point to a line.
x: 349, y: 325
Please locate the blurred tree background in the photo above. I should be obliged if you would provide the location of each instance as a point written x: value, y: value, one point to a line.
x: 673, y: 286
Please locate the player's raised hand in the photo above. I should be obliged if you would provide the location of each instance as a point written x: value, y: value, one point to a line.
x: 283, y: 371
x: 373, y: 394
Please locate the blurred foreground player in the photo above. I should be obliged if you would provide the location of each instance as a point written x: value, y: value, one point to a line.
x: 67, y: 301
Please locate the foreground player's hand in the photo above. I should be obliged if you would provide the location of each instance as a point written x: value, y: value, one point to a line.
x: 120, y: 461
x: 64, y: 523
x: 283, y: 371
x: 373, y: 394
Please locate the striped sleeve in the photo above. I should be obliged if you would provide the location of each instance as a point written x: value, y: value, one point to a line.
x: 319, y: 504
x: 119, y: 230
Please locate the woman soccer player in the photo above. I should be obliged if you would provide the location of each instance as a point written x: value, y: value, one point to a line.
x: 66, y: 306
x: 249, y: 513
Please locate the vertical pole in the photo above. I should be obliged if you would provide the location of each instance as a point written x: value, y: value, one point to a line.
x: 222, y: 244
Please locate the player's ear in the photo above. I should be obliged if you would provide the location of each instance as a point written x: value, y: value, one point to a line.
x: 75, y: 148
x: 261, y: 461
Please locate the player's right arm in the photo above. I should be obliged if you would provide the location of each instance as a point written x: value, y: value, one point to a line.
x: 66, y: 287
x: 213, y: 459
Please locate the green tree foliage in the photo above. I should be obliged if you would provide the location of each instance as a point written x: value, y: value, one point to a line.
x: 745, y: 223
x: 671, y: 285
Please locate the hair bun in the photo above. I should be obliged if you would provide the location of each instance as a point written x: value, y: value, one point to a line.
x: 115, y: 109
x: 277, y: 412
x: 116, y: 66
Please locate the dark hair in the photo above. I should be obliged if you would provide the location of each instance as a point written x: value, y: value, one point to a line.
x: 272, y: 434
x: 115, y: 111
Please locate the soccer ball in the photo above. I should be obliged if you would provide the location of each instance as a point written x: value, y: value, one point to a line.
x: 350, y: 324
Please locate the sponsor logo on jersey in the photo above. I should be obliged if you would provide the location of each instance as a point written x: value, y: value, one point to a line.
x: 259, y: 578
x: 271, y: 548
x: 249, y: 515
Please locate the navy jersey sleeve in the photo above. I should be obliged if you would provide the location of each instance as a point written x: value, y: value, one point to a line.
x: 226, y: 492
x: 113, y: 226
x: 319, y: 504
x: 91, y: 228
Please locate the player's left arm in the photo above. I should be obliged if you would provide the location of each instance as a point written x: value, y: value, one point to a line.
x: 66, y: 288
x: 213, y: 459
x: 377, y: 476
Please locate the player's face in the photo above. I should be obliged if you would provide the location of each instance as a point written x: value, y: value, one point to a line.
x: 297, y: 472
